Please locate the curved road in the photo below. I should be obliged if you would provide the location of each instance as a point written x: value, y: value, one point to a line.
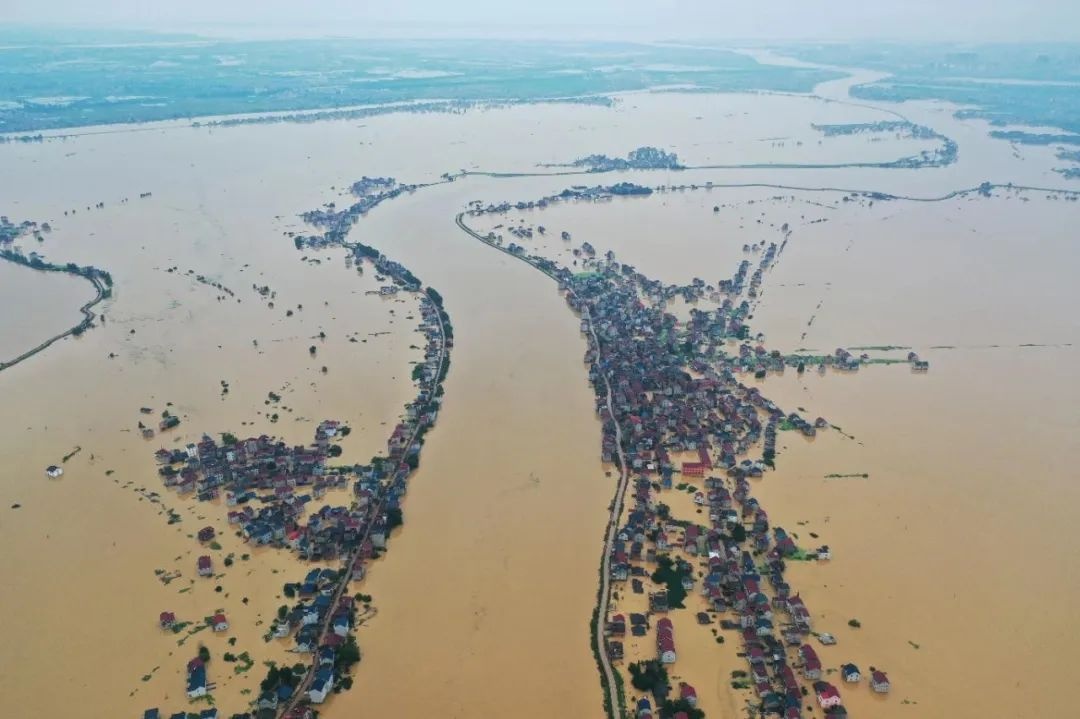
x: 86, y: 310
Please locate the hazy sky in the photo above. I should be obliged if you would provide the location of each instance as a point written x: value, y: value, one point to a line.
x: 965, y: 20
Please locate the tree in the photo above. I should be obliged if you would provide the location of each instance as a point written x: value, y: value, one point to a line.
x: 204, y: 654
x: 672, y: 707
x: 271, y: 680
x: 283, y: 611
x: 347, y: 655
x: 312, y: 350
x: 649, y: 676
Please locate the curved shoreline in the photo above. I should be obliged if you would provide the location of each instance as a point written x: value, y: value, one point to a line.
x: 102, y: 292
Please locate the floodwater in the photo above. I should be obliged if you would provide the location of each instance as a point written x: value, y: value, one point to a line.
x: 38, y: 305
x: 936, y: 549
x: 484, y: 601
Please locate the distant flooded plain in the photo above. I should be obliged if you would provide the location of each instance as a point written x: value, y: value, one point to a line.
x: 485, y: 595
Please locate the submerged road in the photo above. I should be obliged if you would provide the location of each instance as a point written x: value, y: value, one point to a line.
x: 86, y: 310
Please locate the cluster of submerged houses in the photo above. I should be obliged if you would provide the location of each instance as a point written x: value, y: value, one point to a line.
x: 643, y: 708
x: 269, y: 488
x: 682, y: 412
x: 303, y: 712
x: 317, y: 607
x: 335, y: 223
x: 268, y: 485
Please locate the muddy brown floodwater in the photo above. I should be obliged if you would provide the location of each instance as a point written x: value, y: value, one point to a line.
x: 485, y: 597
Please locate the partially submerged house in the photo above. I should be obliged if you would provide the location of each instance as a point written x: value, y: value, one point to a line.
x: 879, y: 682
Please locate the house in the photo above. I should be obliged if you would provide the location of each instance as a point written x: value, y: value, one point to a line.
x: 301, y: 712
x: 219, y: 623
x: 693, y: 469
x: 644, y: 707
x: 206, y: 534
x: 151, y: 714
x: 688, y: 694
x: 267, y: 700
x: 341, y: 625
x: 210, y: 713
x: 196, y: 682
x: 703, y: 618
x: 827, y: 694
x: 53, y: 471
x: 850, y: 673
x: 811, y: 663
x: 204, y: 566
x: 166, y: 620
x: 322, y: 686
x: 617, y: 625
x: 879, y: 682
x: 665, y: 641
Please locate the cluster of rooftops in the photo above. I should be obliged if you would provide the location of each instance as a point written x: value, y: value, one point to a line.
x: 684, y: 414
x: 268, y: 487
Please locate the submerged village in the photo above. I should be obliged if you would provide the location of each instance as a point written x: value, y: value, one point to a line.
x: 686, y: 433
x: 269, y: 489
x: 687, y: 436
